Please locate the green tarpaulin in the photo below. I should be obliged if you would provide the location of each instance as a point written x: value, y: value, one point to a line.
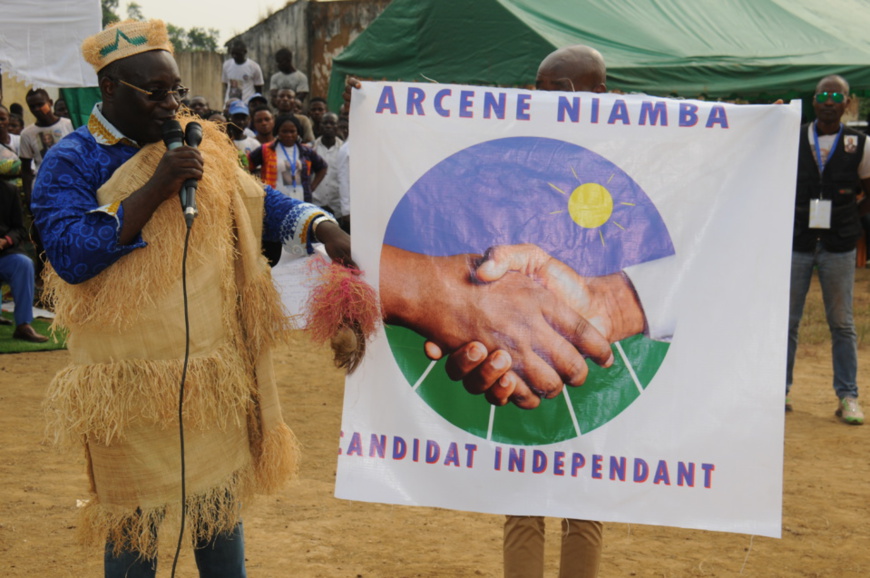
x: 80, y: 102
x: 752, y: 49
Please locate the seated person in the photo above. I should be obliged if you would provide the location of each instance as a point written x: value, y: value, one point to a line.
x: 16, y: 268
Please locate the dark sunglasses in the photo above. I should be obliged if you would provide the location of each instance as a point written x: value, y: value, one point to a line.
x: 837, y: 97
x: 160, y: 94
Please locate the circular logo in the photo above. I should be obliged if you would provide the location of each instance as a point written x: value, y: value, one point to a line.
x: 575, y: 205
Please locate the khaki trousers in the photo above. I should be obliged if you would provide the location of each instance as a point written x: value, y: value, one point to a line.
x: 524, y: 548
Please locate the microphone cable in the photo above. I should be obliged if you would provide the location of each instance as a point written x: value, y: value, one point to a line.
x: 173, y: 137
x: 189, y: 223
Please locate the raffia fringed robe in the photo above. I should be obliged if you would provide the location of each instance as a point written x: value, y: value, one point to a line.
x: 120, y: 393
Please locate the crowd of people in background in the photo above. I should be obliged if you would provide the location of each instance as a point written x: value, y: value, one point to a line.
x: 289, y: 140
x: 284, y: 136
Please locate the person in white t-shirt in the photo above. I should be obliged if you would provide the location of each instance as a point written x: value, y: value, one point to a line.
x: 37, y: 138
x: 342, y: 168
x: 328, y: 146
x: 242, y: 77
x: 287, y: 76
x: 239, y: 118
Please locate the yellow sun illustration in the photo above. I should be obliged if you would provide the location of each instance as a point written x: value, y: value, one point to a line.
x: 590, y: 205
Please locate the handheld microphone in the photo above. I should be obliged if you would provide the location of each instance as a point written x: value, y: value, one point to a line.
x: 192, y: 137
x: 173, y: 137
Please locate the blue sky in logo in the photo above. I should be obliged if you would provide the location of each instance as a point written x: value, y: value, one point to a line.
x: 516, y: 190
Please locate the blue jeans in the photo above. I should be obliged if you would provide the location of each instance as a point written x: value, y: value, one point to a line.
x: 16, y: 269
x: 223, y: 557
x: 837, y: 278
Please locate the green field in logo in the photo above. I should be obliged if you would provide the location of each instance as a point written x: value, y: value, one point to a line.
x: 577, y: 411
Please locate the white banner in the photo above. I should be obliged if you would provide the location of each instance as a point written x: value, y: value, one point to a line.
x: 41, y: 41
x: 686, y: 204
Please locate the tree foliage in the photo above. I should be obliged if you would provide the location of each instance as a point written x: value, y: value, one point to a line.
x: 134, y: 11
x: 183, y: 40
x: 202, y: 39
x: 193, y: 40
x: 110, y: 13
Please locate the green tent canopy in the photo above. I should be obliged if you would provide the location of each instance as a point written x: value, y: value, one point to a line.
x: 723, y: 49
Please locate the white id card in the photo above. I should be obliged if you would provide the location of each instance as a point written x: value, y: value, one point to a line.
x: 820, y: 213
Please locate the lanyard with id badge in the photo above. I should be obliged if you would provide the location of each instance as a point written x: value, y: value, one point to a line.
x: 290, y: 178
x: 820, y: 209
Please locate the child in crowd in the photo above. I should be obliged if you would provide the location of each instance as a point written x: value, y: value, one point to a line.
x: 16, y: 123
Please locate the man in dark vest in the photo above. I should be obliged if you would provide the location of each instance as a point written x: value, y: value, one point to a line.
x: 833, y: 169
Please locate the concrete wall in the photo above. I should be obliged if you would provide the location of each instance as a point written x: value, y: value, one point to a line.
x: 201, y: 72
x: 285, y: 28
x: 314, y: 31
x: 334, y: 25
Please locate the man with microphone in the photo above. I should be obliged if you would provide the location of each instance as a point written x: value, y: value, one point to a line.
x: 106, y: 202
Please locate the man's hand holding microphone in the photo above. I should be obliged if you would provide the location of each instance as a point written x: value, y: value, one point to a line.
x: 172, y: 138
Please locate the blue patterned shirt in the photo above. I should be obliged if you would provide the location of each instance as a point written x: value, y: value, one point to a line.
x: 81, y: 237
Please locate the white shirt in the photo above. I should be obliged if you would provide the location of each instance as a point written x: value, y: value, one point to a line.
x: 247, y: 145
x: 343, y: 170
x: 327, y: 192
x: 241, y: 79
x: 14, y: 143
x: 655, y: 284
x: 295, y: 81
x: 36, y: 140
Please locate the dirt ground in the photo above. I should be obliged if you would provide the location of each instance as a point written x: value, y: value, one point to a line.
x: 306, y: 532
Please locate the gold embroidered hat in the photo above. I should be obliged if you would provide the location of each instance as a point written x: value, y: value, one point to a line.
x: 122, y: 39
